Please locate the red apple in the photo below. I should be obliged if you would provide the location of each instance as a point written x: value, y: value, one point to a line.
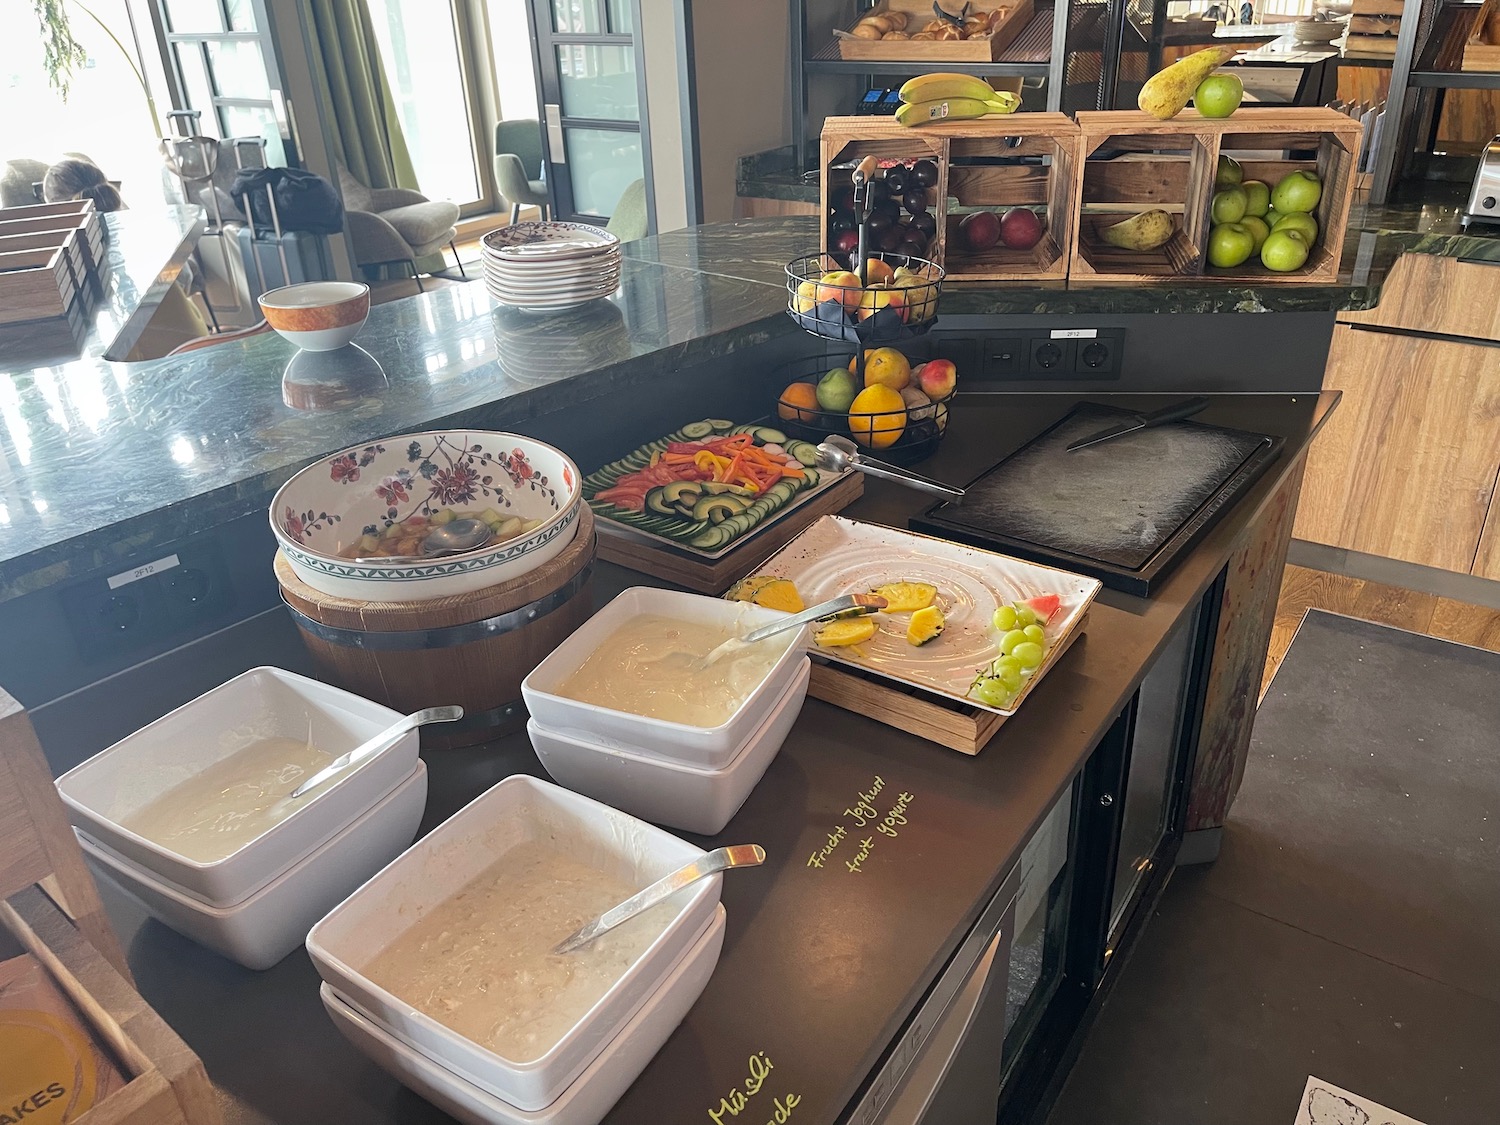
x: 1021, y: 229
x: 980, y: 231
x: 846, y: 242
x: 877, y: 297
x: 937, y: 377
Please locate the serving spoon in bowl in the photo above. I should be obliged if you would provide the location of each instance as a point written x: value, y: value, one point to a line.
x: 720, y: 859
x: 452, y: 538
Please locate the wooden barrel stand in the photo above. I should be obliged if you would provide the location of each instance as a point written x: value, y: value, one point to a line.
x: 470, y: 649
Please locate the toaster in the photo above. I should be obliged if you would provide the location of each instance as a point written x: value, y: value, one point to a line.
x: 1484, y: 196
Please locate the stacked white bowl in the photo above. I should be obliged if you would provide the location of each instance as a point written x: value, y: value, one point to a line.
x: 582, y: 1074
x: 548, y: 266
x: 688, y: 777
x: 255, y: 904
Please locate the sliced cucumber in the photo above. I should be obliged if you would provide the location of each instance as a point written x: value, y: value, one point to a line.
x: 722, y: 425
x: 685, y: 532
x: 768, y: 436
x: 811, y: 478
x: 657, y: 501
x: 804, y: 451
x: 696, y: 431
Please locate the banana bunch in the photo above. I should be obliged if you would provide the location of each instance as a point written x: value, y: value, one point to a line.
x: 934, y: 97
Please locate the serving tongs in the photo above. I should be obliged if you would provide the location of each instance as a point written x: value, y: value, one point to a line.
x: 720, y: 859
x: 838, y: 453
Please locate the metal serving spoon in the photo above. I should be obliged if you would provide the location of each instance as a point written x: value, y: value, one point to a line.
x: 720, y: 859
x: 379, y: 742
x: 839, y: 453
x: 867, y: 602
x: 452, y: 538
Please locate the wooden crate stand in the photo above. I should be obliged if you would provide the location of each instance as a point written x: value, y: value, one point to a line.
x: 1171, y: 165
x: 968, y: 181
x: 977, y: 183
x: 848, y: 140
x: 36, y: 284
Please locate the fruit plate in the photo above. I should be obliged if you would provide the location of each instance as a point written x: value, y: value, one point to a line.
x: 643, y: 495
x: 842, y: 556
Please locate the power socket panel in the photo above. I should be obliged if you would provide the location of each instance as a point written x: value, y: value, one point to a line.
x: 1054, y: 353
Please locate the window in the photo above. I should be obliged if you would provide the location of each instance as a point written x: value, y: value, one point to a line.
x: 222, y: 71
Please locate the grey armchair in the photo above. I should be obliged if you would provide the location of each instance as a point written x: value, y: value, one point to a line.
x: 396, y: 225
x: 518, y: 166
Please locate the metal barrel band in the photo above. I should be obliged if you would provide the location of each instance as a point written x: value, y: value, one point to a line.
x: 446, y: 636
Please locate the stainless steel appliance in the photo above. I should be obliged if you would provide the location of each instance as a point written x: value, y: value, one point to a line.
x: 1484, y: 196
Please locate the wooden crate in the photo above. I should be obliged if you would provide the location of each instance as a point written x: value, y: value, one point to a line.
x: 968, y: 180
x: 71, y: 240
x: 1482, y: 46
x: 1170, y: 165
x: 36, y: 284
x: 42, y: 218
x: 918, y: 13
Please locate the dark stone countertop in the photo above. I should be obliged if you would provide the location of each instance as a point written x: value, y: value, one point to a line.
x: 102, y: 461
x: 144, y: 253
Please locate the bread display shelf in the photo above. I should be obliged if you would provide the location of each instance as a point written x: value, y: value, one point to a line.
x: 985, y: 48
x: 987, y: 163
x: 1131, y: 162
x: 1482, y: 47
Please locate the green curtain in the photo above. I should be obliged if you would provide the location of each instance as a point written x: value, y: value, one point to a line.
x: 356, y: 95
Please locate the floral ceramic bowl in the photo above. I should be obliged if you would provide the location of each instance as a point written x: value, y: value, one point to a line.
x: 357, y: 502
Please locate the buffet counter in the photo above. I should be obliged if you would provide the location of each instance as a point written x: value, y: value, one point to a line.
x: 840, y: 938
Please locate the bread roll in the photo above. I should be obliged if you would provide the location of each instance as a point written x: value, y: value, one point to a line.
x: 977, y: 25
x: 946, y: 32
x: 895, y: 35
x: 898, y: 20
x: 935, y: 25
x: 925, y: 36
x: 997, y: 17
x: 864, y: 29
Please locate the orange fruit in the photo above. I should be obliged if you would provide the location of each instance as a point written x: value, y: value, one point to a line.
x: 877, y: 416
x: 877, y: 272
x: 797, y: 401
x: 886, y: 367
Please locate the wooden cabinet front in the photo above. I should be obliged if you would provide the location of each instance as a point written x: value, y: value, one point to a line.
x: 1407, y: 465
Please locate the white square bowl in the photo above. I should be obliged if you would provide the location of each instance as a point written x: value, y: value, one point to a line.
x: 515, y: 811
x: 670, y: 793
x: 258, y: 704
x: 590, y: 1096
x: 274, y: 921
x: 707, y: 747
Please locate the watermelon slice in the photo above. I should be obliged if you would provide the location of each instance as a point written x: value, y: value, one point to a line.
x: 1044, y: 606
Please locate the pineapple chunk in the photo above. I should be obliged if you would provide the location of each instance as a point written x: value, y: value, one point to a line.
x: 746, y: 588
x: 836, y: 634
x: 926, y: 626
x: 779, y: 594
x: 906, y: 597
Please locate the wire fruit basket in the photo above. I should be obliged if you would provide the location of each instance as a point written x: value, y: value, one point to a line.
x: 898, y: 302
x: 902, y: 436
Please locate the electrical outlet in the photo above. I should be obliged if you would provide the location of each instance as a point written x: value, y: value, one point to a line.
x: 1099, y: 356
x: 1050, y: 357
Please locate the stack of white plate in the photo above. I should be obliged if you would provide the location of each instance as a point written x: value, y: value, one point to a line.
x: 550, y: 265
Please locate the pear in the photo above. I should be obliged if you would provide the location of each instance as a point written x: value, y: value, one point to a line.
x: 1145, y: 231
x: 1168, y: 91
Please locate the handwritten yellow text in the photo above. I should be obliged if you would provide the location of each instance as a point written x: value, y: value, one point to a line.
x: 737, y: 1101
x: 821, y: 856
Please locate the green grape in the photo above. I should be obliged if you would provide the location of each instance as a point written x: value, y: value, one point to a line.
x: 1004, y: 662
x: 1025, y: 616
x: 1005, y: 618
x: 1010, y: 675
x: 1036, y: 635
x: 1009, y: 642
x: 992, y: 693
x: 1029, y: 654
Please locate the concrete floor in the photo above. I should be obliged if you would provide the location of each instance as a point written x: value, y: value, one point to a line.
x: 1351, y: 927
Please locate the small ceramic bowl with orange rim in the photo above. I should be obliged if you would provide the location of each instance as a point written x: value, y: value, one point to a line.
x: 317, y: 316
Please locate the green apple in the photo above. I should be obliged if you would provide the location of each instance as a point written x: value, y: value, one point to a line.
x: 1284, y: 251
x: 1257, y: 226
x: 1297, y: 191
x: 1298, y: 221
x: 1258, y: 196
x: 836, y: 390
x: 1218, y: 95
x: 1228, y: 205
x: 1228, y: 172
x: 1230, y: 244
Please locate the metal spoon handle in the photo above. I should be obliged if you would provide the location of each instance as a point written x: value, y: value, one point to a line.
x: 907, y: 477
x: 379, y: 742
x: 720, y: 859
x: 823, y: 609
